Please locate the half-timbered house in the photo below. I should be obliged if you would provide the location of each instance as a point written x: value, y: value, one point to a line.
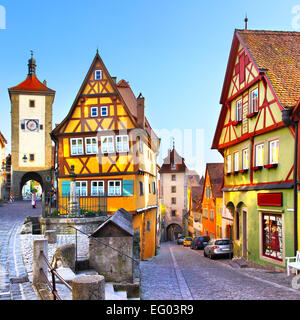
x: 109, y: 144
x: 262, y: 79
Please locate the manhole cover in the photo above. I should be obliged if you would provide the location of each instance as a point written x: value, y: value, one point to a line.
x: 19, y: 280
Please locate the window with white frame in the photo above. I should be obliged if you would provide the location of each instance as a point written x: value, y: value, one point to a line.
x: 97, y: 188
x: 238, y: 107
x: 76, y: 146
x: 236, y: 161
x: 98, y: 75
x: 81, y: 188
x: 107, y: 144
x: 228, y: 164
x: 104, y: 111
x: 94, y: 112
x: 259, y: 155
x: 245, y: 159
x: 91, y: 145
x: 141, y: 145
x: 114, y: 188
x: 122, y: 143
x: 254, y: 100
x: 273, y: 151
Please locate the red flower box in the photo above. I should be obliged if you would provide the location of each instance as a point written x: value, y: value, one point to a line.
x: 269, y: 166
x: 243, y: 170
x: 235, y: 123
x: 252, y: 114
x: 257, y: 168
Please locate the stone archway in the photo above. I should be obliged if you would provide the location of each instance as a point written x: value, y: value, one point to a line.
x: 31, y: 176
x: 173, y: 231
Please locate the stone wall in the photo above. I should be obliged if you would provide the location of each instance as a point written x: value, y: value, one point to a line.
x: 61, y: 225
x: 108, y: 262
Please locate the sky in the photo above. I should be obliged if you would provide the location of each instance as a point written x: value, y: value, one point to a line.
x: 174, y: 52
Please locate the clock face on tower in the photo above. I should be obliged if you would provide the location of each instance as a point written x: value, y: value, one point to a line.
x: 32, y: 125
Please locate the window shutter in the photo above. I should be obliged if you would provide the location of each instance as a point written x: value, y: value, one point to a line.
x: 65, y: 187
x: 127, y: 188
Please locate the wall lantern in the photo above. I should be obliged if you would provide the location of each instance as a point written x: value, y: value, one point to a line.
x: 25, y: 158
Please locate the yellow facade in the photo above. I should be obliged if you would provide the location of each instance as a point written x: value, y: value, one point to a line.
x: 105, y: 141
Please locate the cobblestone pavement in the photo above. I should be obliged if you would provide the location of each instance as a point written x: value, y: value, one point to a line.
x: 14, y: 282
x: 179, y: 273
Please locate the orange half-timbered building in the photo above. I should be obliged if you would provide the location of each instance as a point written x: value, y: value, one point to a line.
x: 108, y: 142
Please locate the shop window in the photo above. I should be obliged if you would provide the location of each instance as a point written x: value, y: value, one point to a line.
x: 272, y: 236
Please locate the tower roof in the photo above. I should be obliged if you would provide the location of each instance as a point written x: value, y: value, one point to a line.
x: 32, y: 83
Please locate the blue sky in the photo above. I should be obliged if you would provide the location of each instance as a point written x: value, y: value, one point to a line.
x: 174, y: 52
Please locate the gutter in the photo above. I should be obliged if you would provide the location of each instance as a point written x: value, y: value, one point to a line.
x: 286, y: 118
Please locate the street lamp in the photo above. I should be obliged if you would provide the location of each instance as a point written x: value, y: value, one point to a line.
x: 25, y: 158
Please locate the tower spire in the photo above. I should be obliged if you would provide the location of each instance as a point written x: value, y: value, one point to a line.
x: 31, y: 65
x: 246, y: 22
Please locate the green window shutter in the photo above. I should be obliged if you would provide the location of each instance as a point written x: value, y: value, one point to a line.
x: 127, y: 188
x: 65, y: 187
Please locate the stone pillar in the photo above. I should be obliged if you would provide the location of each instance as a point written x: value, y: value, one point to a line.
x: 51, y: 236
x: 38, y: 261
x: 89, y: 287
x: 136, y: 253
x: 74, y: 206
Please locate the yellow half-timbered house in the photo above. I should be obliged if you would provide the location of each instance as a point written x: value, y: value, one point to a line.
x: 108, y: 142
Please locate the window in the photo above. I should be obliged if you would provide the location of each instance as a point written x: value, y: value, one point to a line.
x: 97, y: 188
x: 114, y: 188
x: 149, y: 188
x: 107, y: 144
x: 31, y: 157
x: 148, y: 225
x: 23, y: 126
x: 173, y: 189
x: 91, y: 145
x: 76, y: 146
x: 212, y: 215
x: 236, y: 161
x: 173, y: 177
x: 31, y: 103
x: 104, y: 111
x: 173, y: 166
x: 153, y: 187
x: 41, y: 127
x: 245, y: 159
x: 141, y: 188
x: 254, y: 101
x: 259, y: 155
x: 273, y: 151
x: 205, y: 213
x: 81, y: 188
x: 272, y: 236
x: 141, y: 145
x: 238, y: 107
x: 98, y: 75
x: 122, y: 144
x: 173, y: 200
x: 208, y: 192
x: 94, y: 112
x: 173, y: 213
x: 228, y: 164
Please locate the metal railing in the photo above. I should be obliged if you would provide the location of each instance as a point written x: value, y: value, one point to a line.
x: 78, y: 206
x: 53, y: 274
x: 105, y: 244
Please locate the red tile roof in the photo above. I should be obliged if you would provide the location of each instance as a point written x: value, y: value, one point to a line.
x: 216, y: 174
x: 279, y: 53
x: 31, y: 83
x: 173, y: 158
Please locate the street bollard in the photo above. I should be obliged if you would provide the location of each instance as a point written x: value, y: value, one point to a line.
x: 51, y: 236
x: 38, y: 261
x: 88, y: 287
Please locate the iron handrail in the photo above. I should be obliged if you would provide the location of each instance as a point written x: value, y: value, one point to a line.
x: 97, y: 240
x: 53, y: 273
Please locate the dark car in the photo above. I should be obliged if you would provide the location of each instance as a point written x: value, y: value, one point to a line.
x: 200, y: 242
x: 180, y: 240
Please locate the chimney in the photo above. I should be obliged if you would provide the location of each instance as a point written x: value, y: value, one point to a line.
x: 45, y: 83
x: 141, y: 111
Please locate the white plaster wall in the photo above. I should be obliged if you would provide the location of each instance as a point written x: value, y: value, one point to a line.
x: 32, y: 142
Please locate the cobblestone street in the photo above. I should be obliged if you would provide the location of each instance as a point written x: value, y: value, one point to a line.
x: 14, y: 283
x: 181, y: 273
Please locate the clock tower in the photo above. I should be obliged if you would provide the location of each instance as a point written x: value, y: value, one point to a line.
x: 31, y: 124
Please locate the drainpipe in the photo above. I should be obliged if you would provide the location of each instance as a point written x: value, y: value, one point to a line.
x: 286, y: 118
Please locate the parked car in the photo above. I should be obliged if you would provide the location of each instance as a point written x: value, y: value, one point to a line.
x: 219, y: 247
x: 200, y: 243
x: 187, y: 241
x: 180, y: 240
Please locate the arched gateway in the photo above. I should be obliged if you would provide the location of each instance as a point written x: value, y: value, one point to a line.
x: 173, y: 231
x: 31, y: 124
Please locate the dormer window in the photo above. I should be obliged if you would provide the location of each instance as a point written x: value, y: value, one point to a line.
x: 98, y: 75
x: 173, y: 166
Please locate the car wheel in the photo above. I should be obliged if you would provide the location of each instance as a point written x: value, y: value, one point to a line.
x: 204, y: 253
x: 230, y: 255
